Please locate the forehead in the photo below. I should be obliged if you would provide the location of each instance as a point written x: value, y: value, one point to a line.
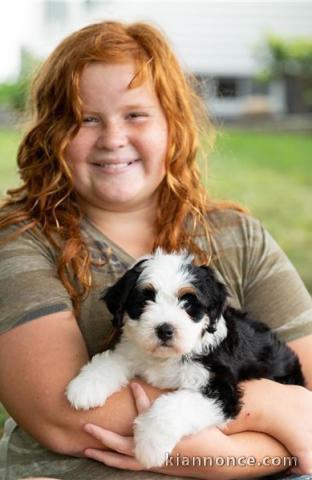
x: 166, y: 273
x: 112, y: 81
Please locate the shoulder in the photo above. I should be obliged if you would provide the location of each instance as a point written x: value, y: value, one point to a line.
x: 233, y: 220
x: 19, y: 239
x: 25, y: 248
x: 29, y: 279
x: 241, y: 240
x: 234, y: 230
x: 242, y: 251
x: 259, y: 276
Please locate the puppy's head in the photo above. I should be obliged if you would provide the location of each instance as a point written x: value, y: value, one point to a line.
x: 166, y: 304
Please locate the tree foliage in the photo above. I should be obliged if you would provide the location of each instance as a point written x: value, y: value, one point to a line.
x: 13, y: 94
x: 287, y: 57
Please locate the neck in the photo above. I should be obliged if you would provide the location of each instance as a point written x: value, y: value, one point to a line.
x: 108, y: 220
x: 109, y: 217
x: 133, y: 230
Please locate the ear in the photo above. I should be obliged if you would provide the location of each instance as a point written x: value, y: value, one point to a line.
x: 117, y: 295
x: 216, y: 296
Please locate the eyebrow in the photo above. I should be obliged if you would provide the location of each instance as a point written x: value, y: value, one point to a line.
x: 132, y: 106
x: 137, y: 106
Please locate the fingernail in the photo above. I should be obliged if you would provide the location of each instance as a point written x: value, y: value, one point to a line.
x: 89, y: 453
x: 88, y: 427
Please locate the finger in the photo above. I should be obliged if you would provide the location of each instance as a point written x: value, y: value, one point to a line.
x: 111, y: 439
x: 234, y: 426
x: 141, y: 399
x: 112, y: 459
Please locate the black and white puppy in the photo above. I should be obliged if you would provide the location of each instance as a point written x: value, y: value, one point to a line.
x: 179, y: 333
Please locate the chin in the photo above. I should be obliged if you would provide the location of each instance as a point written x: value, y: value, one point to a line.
x: 166, y: 352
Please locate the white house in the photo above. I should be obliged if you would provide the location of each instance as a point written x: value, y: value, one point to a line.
x: 215, y: 39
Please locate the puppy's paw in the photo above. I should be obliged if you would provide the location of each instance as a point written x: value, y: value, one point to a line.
x: 86, y: 391
x: 153, y: 442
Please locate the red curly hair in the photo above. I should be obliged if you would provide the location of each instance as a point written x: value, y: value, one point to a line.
x: 46, y: 197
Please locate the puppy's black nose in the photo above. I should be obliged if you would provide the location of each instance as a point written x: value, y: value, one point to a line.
x: 164, y: 331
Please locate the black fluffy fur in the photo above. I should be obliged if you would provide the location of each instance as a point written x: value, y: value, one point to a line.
x: 250, y: 351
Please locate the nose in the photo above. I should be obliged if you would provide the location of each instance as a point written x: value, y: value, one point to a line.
x: 112, y: 137
x: 164, y: 331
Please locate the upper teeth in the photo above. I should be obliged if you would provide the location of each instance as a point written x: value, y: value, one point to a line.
x: 114, y: 165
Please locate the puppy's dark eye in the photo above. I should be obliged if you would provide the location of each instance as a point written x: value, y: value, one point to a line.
x: 149, y: 294
x: 136, y: 303
x: 192, y: 306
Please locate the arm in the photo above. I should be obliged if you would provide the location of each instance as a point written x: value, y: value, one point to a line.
x: 273, y: 292
x: 196, y: 456
x: 257, y: 404
x: 45, y: 354
x: 282, y: 411
x: 245, y: 455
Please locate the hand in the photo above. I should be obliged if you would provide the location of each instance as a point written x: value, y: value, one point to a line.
x: 122, y: 454
x: 282, y: 411
x: 122, y: 448
x: 295, y: 428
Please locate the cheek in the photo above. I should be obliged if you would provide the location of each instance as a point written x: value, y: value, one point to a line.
x: 161, y: 141
x: 72, y: 156
x: 78, y: 149
x: 155, y: 143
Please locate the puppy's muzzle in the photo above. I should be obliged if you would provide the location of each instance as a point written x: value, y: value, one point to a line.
x: 164, y: 332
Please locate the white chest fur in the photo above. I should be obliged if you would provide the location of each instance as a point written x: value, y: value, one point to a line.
x: 173, y: 373
x: 166, y: 373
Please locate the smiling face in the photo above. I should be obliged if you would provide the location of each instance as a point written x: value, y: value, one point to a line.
x: 118, y: 156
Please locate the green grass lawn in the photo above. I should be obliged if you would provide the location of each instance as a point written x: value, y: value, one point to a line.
x: 8, y: 171
x: 271, y: 174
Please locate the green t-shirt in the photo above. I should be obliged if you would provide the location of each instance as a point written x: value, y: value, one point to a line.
x: 258, y: 275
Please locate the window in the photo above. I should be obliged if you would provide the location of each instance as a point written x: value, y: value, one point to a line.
x: 226, y: 87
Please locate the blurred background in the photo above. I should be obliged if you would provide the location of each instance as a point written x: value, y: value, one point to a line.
x: 254, y: 63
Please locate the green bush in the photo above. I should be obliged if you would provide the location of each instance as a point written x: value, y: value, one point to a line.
x: 289, y: 57
x: 13, y: 95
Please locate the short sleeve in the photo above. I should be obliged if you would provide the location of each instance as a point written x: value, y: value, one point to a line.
x: 29, y: 284
x: 273, y: 291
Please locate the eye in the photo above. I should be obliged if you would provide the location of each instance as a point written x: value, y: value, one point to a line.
x: 192, y: 306
x: 136, y: 305
x: 90, y: 119
x: 137, y: 115
x: 189, y: 298
x: 149, y: 294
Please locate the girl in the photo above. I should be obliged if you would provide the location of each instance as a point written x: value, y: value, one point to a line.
x: 109, y: 173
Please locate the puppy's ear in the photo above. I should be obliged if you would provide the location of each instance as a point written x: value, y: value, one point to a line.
x: 116, y: 296
x: 215, y: 296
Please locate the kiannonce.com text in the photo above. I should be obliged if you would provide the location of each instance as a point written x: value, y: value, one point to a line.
x: 229, y: 461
